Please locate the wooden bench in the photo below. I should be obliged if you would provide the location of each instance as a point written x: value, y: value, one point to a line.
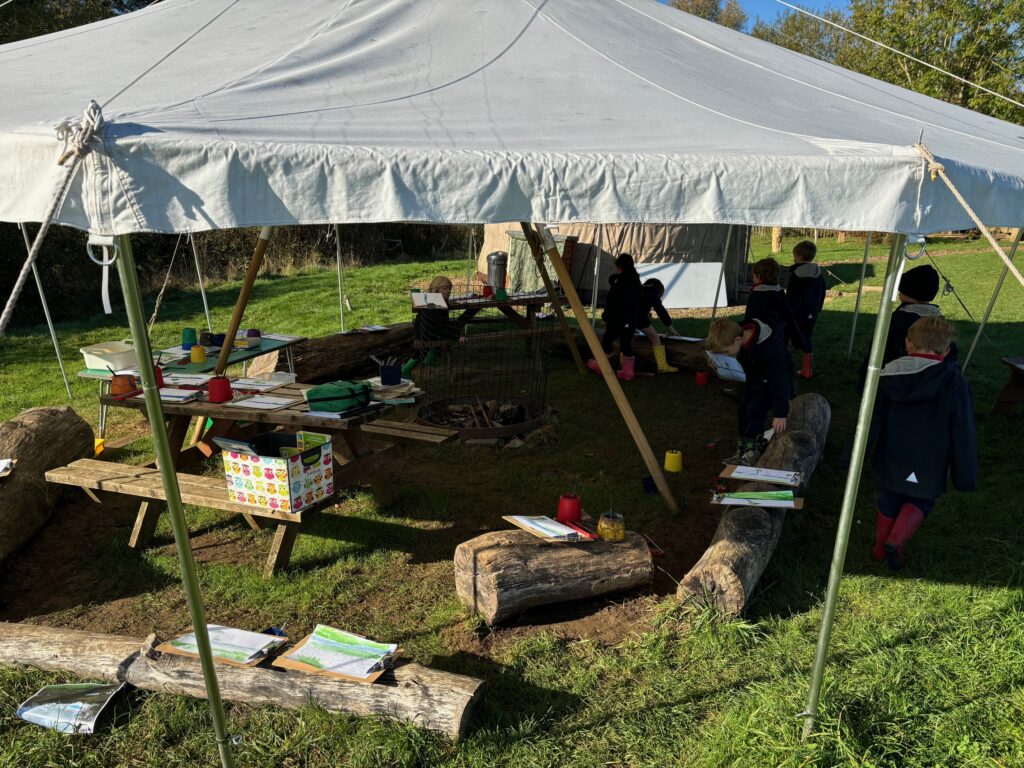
x: 92, y: 475
x: 1012, y: 392
x: 409, y: 432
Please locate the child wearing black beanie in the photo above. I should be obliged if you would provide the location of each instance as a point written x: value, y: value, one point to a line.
x: 918, y: 286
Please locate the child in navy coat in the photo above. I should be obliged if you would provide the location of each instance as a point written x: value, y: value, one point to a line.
x: 619, y: 316
x: 806, y: 295
x: 761, y: 350
x: 650, y: 301
x: 923, y: 430
x: 768, y: 303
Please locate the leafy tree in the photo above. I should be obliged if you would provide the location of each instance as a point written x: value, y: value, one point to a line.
x: 22, y: 19
x: 728, y: 13
x: 979, y: 40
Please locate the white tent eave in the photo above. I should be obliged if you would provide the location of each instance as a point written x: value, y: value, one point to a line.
x: 222, y: 115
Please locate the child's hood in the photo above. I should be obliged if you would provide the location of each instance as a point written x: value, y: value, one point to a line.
x: 808, y: 269
x: 911, y: 379
x: 767, y: 287
x: 921, y: 310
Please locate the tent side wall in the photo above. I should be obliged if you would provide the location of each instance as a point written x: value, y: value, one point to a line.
x: 648, y: 243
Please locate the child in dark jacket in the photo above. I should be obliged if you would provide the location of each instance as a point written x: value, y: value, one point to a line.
x: 761, y: 350
x: 650, y: 301
x: 806, y: 295
x: 619, y: 316
x: 918, y: 286
x: 433, y: 325
x: 768, y: 303
x: 923, y: 429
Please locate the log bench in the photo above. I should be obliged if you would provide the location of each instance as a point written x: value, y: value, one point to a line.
x: 429, y: 698
x: 501, y: 574
x: 202, y: 491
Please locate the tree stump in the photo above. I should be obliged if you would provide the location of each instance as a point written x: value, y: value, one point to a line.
x: 40, y: 439
x: 746, y: 537
x: 339, y: 356
x: 501, y: 574
x: 776, y: 239
x: 432, y: 699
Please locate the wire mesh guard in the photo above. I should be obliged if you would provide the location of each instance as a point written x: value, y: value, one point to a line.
x: 495, y: 383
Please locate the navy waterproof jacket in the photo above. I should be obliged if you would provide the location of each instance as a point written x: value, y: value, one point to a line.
x: 767, y: 363
x: 623, y: 296
x: 650, y: 300
x: 768, y: 304
x: 904, y: 316
x: 923, y: 428
x: 806, y: 292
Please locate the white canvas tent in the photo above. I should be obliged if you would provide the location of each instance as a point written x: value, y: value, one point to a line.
x: 231, y: 113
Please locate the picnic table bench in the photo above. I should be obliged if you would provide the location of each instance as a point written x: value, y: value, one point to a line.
x: 224, y: 420
x: 1012, y: 392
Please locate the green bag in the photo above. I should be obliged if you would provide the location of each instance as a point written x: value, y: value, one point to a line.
x: 339, y: 396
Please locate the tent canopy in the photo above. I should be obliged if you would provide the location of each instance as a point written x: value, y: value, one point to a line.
x: 231, y: 113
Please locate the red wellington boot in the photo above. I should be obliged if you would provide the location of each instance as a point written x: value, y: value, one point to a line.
x: 883, y: 525
x: 628, y: 370
x: 592, y: 365
x: 807, y: 366
x: 906, y: 525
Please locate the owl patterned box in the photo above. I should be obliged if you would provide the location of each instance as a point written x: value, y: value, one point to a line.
x: 287, y: 473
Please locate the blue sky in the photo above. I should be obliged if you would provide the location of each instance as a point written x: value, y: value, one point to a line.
x: 769, y: 9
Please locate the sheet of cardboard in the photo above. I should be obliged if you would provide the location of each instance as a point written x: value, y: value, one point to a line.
x: 285, y: 663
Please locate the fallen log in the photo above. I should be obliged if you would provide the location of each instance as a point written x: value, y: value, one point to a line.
x: 432, y: 699
x: 40, y: 439
x: 746, y: 537
x: 501, y: 574
x: 339, y: 356
x: 687, y: 355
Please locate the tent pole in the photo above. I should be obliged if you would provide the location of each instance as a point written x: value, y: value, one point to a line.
x: 341, y: 277
x: 599, y: 230
x: 860, y: 443
x: 992, y: 301
x: 556, y: 301
x: 202, y: 287
x: 243, y: 298
x: 614, y: 386
x: 860, y: 292
x: 721, y: 277
x: 46, y: 312
x: 165, y: 463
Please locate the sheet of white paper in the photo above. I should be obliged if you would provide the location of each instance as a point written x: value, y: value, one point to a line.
x: 263, y: 402
x: 173, y: 395
x: 731, y: 501
x: 683, y: 338
x: 186, y: 379
x: 546, y: 526
x: 229, y: 643
x: 776, y: 476
x: 726, y: 367
x: 5, y: 466
x: 333, y: 650
x: 280, y: 337
x: 258, y: 385
x: 422, y: 300
x: 323, y: 414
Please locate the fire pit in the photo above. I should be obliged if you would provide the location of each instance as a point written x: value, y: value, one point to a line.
x: 480, y: 418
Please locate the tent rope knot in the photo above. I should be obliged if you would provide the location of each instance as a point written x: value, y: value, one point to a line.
x: 78, y: 135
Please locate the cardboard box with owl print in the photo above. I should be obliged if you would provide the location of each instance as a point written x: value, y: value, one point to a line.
x: 279, y: 471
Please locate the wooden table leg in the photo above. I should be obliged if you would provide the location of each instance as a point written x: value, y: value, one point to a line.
x: 1011, y: 394
x: 149, y: 511
x: 356, y: 440
x: 281, y: 548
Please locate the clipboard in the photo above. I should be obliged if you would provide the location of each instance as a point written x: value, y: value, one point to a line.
x: 793, y: 482
x: 166, y: 647
x: 282, y: 662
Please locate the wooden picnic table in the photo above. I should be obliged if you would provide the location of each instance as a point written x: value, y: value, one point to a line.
x: 530, y: 302
x: 183, y: 366
x: 1012, y: 392
x: 228, y: 421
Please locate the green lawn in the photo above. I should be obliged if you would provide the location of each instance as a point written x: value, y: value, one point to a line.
x: 925, y: 667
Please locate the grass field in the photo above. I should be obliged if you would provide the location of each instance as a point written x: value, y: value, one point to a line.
x: 925, y: 668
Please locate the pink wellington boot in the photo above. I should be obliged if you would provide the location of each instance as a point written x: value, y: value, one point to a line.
x: 906, y: 525
x: 592, y: 365
x: 883, y: 525
x: 627, y: 371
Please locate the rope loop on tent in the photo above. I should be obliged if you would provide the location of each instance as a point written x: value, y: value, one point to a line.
x: 78, y: 138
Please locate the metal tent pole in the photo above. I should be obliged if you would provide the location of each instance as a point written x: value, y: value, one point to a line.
x: 992, y: 301
x: 599, y: 231
x: 721, y: 277
x: 341, y: 277
x: 46, y: 312
x: 860, y: 292
x: 860, y: 442
x: 165, y: 463
x: 202, y: 288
